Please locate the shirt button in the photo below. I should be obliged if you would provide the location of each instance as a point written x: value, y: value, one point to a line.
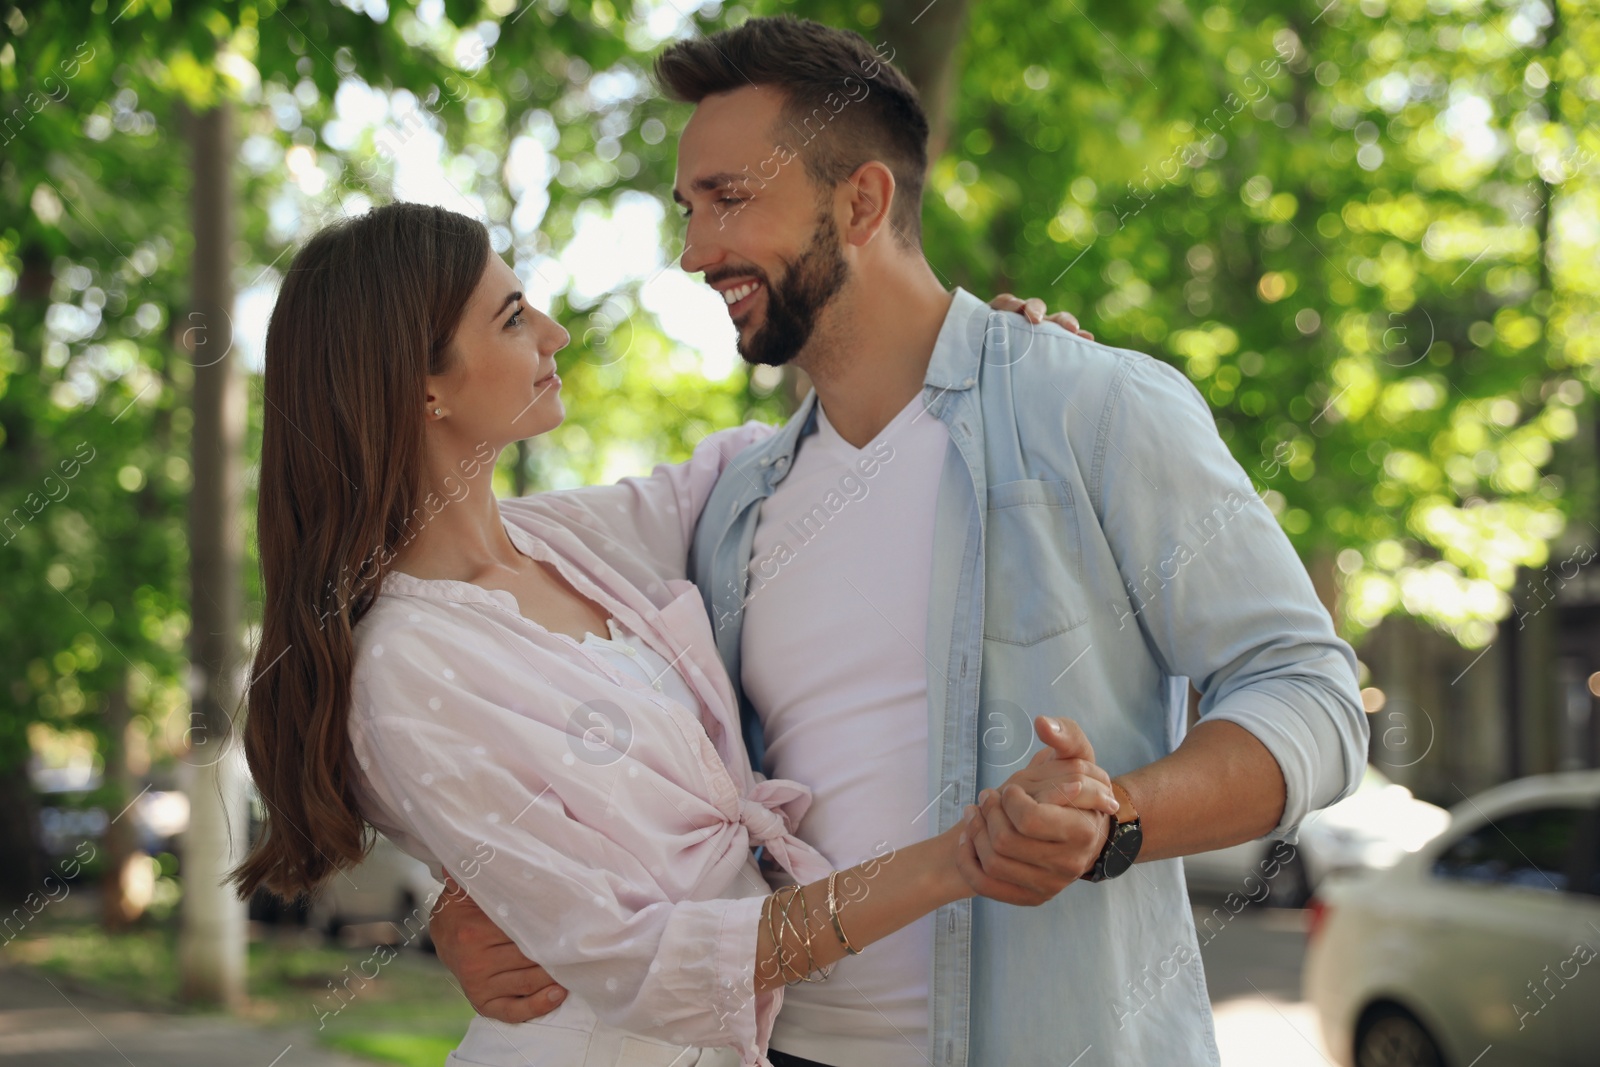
x: 969, y: 381
x: 656, y: 685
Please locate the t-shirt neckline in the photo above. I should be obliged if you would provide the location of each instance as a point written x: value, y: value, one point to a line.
x: 834, y: 439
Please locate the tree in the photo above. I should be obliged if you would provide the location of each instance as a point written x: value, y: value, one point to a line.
x: 211, y: 950
x: 1358, y: 229
x: 1334, y: 222
x: 98, y: 201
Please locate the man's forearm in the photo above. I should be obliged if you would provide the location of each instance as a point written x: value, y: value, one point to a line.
x: 1220, y: 787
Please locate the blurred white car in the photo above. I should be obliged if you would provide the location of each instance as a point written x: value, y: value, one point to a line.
x: 1368, y: 830
x: 387, y: 887
x: 1481, y: 948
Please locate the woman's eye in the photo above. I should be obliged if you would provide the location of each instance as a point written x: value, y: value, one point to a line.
x: 515, y: 319
x: 730, y: 200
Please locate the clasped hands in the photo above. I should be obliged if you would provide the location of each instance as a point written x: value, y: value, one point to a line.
x: 1044, y: 828
x: 1021, y: 844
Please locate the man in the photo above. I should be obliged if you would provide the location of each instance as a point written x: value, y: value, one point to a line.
x: 972, y: 521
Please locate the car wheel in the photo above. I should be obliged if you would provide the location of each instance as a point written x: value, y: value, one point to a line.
x: 1292, y: 887
x: 1392, y: 1037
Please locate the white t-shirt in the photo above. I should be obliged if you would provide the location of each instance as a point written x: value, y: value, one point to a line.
x: 834, y: 633
x: 628, y: 653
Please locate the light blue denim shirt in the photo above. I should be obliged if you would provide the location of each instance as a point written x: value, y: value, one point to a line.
x: 1095, y: 546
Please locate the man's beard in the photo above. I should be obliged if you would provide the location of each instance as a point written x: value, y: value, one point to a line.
x: 793, y: 306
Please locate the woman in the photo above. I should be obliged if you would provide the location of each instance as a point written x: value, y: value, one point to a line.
x: 525, y: 693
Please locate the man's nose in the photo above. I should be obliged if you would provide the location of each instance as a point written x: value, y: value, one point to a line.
x: 700, y: 250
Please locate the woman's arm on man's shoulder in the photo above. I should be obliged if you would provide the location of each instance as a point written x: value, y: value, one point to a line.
x: 650, y: 518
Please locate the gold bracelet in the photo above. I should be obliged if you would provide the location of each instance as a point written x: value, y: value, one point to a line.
x: 833, y: 916
x: 819, y: 973
x: 803, y: 972
x: 813, y: 973
x: 772, y: 930
x: 777, y: 936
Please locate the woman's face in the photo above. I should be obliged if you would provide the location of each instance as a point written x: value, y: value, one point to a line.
x: 502, y: 384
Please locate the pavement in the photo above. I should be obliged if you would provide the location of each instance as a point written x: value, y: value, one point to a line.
x: 1253, y: 974
x: 45, y: 1023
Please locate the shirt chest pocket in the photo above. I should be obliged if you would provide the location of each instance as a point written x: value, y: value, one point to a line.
x: 1032, y: 563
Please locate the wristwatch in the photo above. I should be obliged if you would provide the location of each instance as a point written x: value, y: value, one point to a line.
x: 1122, y: 845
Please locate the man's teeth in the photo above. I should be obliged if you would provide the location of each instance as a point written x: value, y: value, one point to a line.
x: 739, y: 292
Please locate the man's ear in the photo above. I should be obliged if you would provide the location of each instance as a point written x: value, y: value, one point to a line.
x: 870, y: 198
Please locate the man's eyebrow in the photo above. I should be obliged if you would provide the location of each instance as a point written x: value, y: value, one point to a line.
x: 708, y: 183
x: 512, y: 298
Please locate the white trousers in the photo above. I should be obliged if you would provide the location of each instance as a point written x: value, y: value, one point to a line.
x: 574, y: 1039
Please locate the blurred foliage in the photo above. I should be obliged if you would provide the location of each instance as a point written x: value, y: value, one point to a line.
x: 94, y: 350
x: 1366, y: 231
x: 406, y: 1049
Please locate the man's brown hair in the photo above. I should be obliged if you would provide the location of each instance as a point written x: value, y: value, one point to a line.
x: 846, y: 104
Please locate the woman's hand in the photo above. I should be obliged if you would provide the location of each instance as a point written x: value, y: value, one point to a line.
x: 1035, y: 312
x: 1065, y: 782
x: 1042, y: 829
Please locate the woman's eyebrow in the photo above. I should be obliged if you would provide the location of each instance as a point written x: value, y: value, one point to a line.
x: 513, y: 298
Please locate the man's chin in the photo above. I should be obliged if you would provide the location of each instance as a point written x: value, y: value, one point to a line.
x: 748, y: 342
x: 757, y: 356
x: 755, y: 348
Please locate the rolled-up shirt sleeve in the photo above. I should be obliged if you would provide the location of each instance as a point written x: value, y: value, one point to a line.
x: 566, y: 852
x: 1219, y: 591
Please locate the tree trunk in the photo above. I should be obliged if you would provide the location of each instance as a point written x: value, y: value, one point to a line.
x: 25, y: 867
x: 211, y: 949
x: 926, y: 38
x: 1325, y: 580
x: 26, y: 864
x: 118, y: 906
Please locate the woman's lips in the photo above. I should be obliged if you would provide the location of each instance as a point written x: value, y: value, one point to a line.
x: 550, y: 381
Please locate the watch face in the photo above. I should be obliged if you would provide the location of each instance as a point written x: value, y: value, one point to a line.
x: 1123, y: 848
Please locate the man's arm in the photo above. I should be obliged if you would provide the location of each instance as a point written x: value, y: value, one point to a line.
x: 1282, y: 729
x: 1040, y: 841
x: 496, y: 978
x: 1239, y: 617
x: 1182, y: 811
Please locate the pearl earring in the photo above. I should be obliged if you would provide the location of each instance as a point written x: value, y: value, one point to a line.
x: 438, y: 411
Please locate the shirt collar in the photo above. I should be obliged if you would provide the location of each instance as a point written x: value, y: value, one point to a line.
x: 960, y: 344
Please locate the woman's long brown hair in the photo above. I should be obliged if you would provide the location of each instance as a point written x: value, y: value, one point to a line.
x: 366, y: 313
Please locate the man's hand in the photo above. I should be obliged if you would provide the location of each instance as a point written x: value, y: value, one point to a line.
x: 1034, y: 311
x: 1045, y: 827
x: 498, y: 980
